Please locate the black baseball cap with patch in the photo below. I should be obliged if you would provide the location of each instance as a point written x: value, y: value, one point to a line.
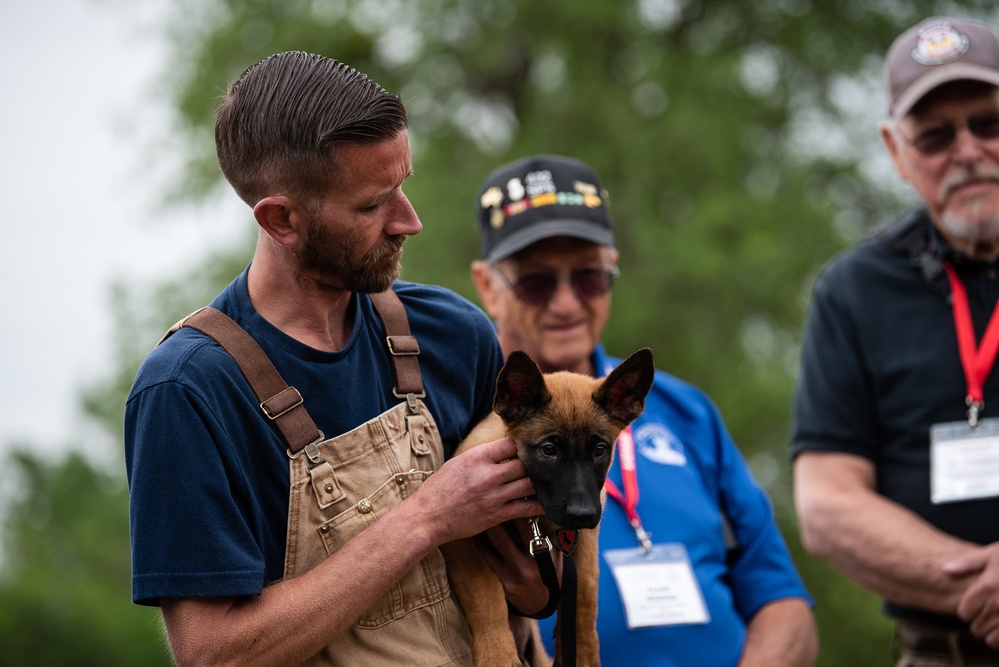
x: 539, y: 197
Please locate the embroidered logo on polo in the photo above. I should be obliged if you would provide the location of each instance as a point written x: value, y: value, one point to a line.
x: 939, y: 43
x: 659, y: 444
x: 536, y: 190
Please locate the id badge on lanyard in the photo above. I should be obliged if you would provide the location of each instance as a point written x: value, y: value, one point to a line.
x: 964, y: 461
x: 658, y: 587
x: 964, y: 456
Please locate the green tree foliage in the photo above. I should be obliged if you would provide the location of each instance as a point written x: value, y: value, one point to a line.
x: 738, y: 141
x: 724, y: 131
x: 64, y: 585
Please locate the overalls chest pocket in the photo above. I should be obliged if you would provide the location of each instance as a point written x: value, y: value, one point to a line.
x: 357, y: 478
x: 424, y: 585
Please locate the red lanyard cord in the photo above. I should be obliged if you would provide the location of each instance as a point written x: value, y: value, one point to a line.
x: 976, y: 360
x: 629, y: 479
x: 626, y: 457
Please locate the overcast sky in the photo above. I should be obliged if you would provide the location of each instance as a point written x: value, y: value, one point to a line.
x: 81, y: 175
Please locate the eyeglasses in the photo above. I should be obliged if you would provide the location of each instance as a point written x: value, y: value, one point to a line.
x: 939, y: 138
x: 538, y: 288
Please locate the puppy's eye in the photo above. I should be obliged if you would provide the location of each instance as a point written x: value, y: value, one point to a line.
x: 548, y: 449
x: 601, y: 449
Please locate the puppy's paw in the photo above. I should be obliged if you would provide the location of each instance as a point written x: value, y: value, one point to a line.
x: 493, y: 659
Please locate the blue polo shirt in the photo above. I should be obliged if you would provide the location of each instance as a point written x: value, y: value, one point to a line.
x: 688, y: 468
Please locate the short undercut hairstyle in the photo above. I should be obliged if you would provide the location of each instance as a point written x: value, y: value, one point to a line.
x: 281, y: 121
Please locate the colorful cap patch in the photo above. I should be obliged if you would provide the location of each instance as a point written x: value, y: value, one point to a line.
x: 937, y: 51
x: 939, y: 43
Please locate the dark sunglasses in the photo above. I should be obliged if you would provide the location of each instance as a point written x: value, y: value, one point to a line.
x: 538, y: 288
x: 939, y: 138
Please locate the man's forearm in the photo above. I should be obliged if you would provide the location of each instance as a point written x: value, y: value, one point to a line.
x: 295, y: 618
x: 291, y: 620
x: 781, y: 633
x: 879, y: 544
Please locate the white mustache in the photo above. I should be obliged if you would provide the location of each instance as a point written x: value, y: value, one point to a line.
x: 965, y: 175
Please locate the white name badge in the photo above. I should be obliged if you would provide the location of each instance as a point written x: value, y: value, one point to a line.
x: 658, y: 588
x: 964, y: 461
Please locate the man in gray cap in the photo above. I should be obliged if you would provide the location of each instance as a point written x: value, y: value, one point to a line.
x: 896, y: 412
x: 693, y: 568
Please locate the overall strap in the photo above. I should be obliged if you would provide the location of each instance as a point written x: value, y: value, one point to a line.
x: 281, y: 404
x: 403, y: 347
x: 284, y: 404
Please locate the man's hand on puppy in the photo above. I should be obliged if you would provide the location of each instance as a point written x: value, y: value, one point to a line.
x: 475, y: 491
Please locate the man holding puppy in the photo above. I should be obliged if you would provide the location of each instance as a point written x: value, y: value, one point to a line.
x: 289, y: 510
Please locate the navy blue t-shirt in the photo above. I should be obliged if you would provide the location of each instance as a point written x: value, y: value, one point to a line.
x: 208, y: 472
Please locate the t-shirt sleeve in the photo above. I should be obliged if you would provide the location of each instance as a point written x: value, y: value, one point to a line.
x: 833, y: 401
x: 491, y: 361
x: 190, y: 534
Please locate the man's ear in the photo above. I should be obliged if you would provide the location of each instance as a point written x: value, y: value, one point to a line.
x: 890, y: 139
x: 613, y: 255
x: 485, y: 285
x: 280, y: 217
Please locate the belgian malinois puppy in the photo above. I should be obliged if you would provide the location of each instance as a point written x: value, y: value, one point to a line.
x: 564, y: 426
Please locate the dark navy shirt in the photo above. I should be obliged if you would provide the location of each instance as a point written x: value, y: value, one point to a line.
x: 880, y: 365
x: 208, y: 473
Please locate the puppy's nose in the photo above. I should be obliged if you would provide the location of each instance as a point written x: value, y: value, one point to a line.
x: 582, y: 515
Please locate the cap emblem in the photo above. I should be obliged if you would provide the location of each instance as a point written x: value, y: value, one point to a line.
x: 939, y: 43
x: 539, y: 192
x: 537, y: 183
x: 492, y: 199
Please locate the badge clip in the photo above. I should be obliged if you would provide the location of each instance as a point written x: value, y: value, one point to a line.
x: 644, y: 537
x: 974, y: 409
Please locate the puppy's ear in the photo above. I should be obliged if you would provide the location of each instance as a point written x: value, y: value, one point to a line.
x: 622, y: 393
x: 520, y: 388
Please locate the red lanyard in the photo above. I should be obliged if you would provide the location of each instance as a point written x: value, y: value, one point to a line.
x: 629, y: 499
x: 629, y: 478
x: 977, y: 361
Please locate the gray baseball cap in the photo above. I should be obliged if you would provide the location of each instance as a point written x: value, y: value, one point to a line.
x: 934, y: 52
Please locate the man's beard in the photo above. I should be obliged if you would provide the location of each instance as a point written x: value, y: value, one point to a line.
x: 979, y: 224
x: 331, y: 261
x: 978, y: 227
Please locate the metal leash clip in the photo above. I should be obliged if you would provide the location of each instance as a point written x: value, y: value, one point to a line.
x: 539, y: 541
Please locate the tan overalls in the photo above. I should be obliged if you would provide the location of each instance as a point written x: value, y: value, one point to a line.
x: 341, y: 485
